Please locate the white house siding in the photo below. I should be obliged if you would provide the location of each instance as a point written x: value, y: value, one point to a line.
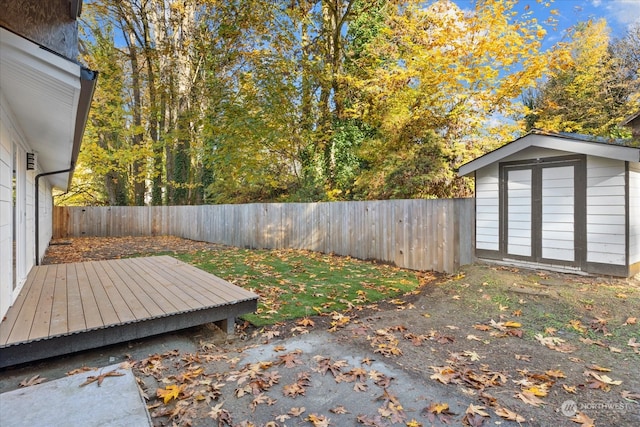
x: 558, y: 213
x: 605, y: 211
x: 487, y: 208
x: 519, y: 212
x: 46, y: 217
x: 634, y: 213
x: 10, y: 139
x: 6, y: 216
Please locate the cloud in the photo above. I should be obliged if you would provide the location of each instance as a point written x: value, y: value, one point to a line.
x: 624, y: 12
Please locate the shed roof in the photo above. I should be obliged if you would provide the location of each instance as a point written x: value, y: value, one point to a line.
x: 572, y: 142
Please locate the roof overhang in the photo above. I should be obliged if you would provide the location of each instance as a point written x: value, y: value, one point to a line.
x: 552, y: 142
x: 49, y: 97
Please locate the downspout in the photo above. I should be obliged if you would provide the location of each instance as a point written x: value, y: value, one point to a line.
x: 37, y: 208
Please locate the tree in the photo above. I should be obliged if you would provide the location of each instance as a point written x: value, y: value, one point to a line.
x: 593, y: 89
x: 431, y: 81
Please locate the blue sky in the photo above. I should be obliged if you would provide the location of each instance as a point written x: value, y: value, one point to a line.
x: 620, y: 14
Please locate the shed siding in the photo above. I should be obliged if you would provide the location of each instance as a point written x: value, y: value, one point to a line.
x: 487, y: 208
x: 634, y: 213
x: 605, y: 211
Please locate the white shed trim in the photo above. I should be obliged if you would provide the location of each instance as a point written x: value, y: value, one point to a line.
x: 566, y: 142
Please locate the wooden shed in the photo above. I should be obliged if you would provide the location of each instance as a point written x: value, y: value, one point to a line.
x: 559, y: 200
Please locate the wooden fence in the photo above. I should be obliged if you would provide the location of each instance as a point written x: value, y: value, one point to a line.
x: 417, y: 234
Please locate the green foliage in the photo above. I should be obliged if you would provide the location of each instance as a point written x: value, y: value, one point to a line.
x: 592, y: 90
x: 316, y: 100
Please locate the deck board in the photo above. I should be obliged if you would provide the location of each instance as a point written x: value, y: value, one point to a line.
x: 71, y: 307
x: 59, y: 323
x: 75, y: 312
x: 105, y: 306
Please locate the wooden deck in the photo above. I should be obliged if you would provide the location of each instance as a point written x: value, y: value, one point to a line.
x: 65, y: 308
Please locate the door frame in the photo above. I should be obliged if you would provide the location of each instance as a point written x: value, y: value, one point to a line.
x: 579, y: 163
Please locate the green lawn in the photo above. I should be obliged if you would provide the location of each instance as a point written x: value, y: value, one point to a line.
x: 294, y: 284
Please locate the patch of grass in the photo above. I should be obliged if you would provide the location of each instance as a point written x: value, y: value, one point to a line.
x: 294, y: 284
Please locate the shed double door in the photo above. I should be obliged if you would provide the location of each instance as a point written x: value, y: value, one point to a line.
x: 544, y: 211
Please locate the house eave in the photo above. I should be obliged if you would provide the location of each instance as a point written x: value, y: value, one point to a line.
x: 49, y: 97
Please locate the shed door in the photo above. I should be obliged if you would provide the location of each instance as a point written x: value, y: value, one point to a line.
x: 543, y: 210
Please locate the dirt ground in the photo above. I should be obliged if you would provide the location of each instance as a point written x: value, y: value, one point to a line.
x: 495, y: 345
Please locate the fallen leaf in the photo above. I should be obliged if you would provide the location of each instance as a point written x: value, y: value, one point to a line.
x: 509, y: 415
x: 599, y: 368
x: 604, y: 378
x: 318, y: 420
x: 556, y: 373
x: 100, y: 378
x: 524, y: 357
x: 36, y: 379
x: 510, y: 324
x: 296, y: 412
x: 630, y: 321
x: 170, y: 392
x: 339, y: 410
x: 627, y: 395
x: 477, y: 410
x: 529, y: 398
x: 583, y: 420
x: 471, y: 355
x: 438, y: 408
x: 569, y: 388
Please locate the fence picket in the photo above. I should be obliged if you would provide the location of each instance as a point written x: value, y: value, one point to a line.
x: 417, y: 234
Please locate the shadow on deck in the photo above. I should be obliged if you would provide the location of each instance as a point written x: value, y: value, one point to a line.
x: 65, y: 308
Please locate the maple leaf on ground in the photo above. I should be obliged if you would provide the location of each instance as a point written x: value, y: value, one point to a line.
x: 530, y: 398
x: 306, y: 322
x: 296, y: 412
x: 170, y: 392
x: 221, y: 415
x: 414, y: 423
x: 474, y: 416
x: 444, y: 374
x: 339, y: 410
x: 290, y: 360
x: 318, y: 420
x: 510, y: 324
x: 87, y: 369
x: 439, y: 408
x: 100, y: 378
x: 36, y: 379
x: 359, y: 386
x: 376, y: 421
x: 523, y: 357
x: 627, y: 395
x: 471, y: 355
x: 507, y: 414
x: 582, y: 419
